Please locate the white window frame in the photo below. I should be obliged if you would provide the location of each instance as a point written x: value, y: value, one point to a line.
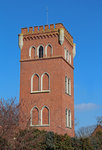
x: 35, y: 107
x: 70, y: 58
x: 32, y: 91
x: 66, y: 84
x: 30, y: 49
x: 69, y: 86
x: 42, y: 82
x: 65, y: 53
x: 42, y: 116
x: 68, y: 118
x: 38, y: 50
x: 47, y: 47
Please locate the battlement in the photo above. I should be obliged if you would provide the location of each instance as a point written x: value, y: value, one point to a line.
x: 44, y: 29
x: 40, y: 29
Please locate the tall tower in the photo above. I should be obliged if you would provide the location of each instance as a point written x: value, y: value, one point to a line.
x: 46, y: 78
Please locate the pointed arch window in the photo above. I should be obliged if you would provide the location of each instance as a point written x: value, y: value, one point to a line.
x: 32, y: 52
x: 45, y: 82
x: 70, y: 58
x: 68, y: 118
x: 41, y: 52
x: 34, y: 116
x: 45, y: 116
x: 69, y: 86
x: 49, y: 50
x: 65, y: 53
x: 66, y: 84
x: 35, y: 83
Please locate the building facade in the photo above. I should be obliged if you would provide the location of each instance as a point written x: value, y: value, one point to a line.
x: 46, y: 79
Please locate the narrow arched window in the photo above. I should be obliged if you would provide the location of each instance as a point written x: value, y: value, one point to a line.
x: 34, y: 116
x: 45, y: 116
x: 65, y: 53
x: 35, y: 81
x: 66, y: 84
x: 41, y: 52
x: 49, y: 50
x: 70, y: 58
x: 66, y: 117
x: 69, y: 86
x: 69, y: 118
x: 32, y: 52
x: 45, y: 82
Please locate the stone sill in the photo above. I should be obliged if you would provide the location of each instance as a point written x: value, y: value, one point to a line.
x: 67, y: 94
x: 46, y: 125
x: 44, y: 91
x: 69, y: 127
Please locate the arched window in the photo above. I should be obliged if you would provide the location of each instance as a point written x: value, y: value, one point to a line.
x: 34, y: 116
x: 67, y: 55
x: 69, y: 86
x: 45, y: 116
x: 68, y: 118
x: 49, y: 50
x: 66, y: 84
x: 45, y: 82
x: 35, y: 81
x: 70, y: 58
x: 65, y: 52
x: 41, y: 52
x: 32, y: 52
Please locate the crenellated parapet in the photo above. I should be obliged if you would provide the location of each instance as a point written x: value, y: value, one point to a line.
x: 41, y: 29
x: 40, y: 32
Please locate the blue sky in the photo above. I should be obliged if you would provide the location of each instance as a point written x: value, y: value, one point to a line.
x: 83, y: 19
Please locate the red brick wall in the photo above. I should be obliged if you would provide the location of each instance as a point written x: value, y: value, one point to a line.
x: 57, y: 67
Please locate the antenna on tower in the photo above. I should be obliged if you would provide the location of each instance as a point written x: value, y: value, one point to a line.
x: 47, y: 15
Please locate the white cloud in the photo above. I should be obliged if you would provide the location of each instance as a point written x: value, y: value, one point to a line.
x: 86, y: 107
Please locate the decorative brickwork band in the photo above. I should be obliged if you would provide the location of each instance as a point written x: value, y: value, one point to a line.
x: 48, y: 29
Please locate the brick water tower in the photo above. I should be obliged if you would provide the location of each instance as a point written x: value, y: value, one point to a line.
x: 46, y: 78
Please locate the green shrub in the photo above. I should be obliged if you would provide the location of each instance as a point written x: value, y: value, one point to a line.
x: 76, y: 143
x: 63, y: 142
x: 49, y: 141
